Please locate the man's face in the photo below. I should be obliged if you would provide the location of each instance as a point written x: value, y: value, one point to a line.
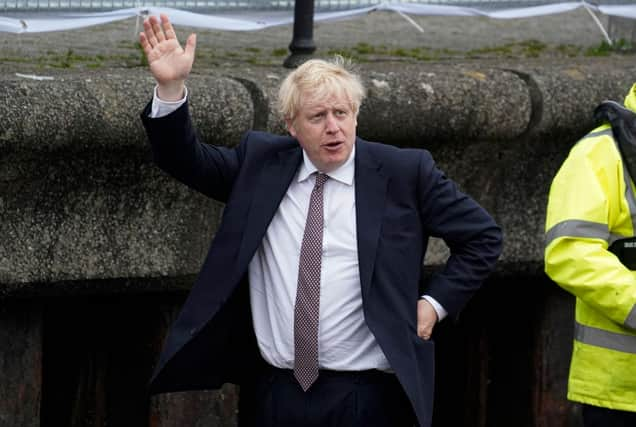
x: 326, y: 129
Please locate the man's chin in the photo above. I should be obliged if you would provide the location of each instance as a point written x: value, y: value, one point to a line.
x: 333, y: 164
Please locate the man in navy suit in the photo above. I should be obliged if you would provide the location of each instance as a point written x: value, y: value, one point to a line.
x: 311, y: 294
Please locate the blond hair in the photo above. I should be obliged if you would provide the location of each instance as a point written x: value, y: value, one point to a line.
x: 319, y: 79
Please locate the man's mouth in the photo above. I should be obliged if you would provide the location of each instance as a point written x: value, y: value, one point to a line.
x: 332, y: 146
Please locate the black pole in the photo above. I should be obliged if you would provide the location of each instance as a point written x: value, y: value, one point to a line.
x: 302, y: 44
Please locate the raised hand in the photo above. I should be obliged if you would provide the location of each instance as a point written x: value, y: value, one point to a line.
x: 169, y: 63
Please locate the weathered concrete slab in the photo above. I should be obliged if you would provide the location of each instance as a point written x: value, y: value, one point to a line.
x: 421, y: 105
x: 565, y: 95
x: 79, y: 195
x: 81, y: 199
x: 426, y: 106
x: 85, y: 111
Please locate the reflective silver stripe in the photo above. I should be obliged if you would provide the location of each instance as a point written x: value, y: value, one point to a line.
x: 613, y: 238
x: 630, y: 322
x: 607, y: 131
x: 630, y: 198
x: 605, y: 339
x: 577, y: 228
x: 589, y: 229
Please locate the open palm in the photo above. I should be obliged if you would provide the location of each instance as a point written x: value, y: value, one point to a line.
x: 169, y: 63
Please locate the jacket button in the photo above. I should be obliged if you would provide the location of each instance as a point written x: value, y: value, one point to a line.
x: 193, y: 331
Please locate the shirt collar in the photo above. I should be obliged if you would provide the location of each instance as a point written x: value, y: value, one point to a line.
x: 343, y: 173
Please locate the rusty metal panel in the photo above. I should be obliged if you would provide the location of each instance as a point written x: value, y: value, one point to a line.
x: 210, y: 408
x: 552, y: 352
x: 503, y: 361
x: 98, y: 358
x: 461, y: 374
x: 214, y: 408
x: 20, y: 364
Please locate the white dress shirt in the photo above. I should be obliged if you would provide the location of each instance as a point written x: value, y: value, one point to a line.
x: 345, y: 343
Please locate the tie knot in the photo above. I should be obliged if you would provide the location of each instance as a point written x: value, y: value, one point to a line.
x: 321, y: 178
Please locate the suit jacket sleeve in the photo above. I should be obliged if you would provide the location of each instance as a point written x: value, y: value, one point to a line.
x: 177, y: 150
x: 474, y: 239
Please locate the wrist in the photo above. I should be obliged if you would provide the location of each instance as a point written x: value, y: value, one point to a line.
x: 171, y: 92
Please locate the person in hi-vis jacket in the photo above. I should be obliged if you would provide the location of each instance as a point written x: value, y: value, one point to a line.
x: 590, y: 251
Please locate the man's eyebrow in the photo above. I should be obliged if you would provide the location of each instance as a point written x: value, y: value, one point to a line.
x: 338, y: 105
x: 316, y: 109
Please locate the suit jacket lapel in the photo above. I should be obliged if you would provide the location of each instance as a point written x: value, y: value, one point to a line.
x: 275, y: 177
x: 371, y: 185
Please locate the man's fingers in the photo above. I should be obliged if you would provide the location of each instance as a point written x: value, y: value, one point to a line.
x: 424, y: 331
x: 149, y: 32
x: 167, y: 27
x: 426, y: 318
x: 143, y: 41
x: 425, y: 334
x: 157, y: 29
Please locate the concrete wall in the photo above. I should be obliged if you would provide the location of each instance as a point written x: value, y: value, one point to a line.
x: 98, y: 247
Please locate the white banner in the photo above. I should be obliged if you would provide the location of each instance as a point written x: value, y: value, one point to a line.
x: 249, y: 22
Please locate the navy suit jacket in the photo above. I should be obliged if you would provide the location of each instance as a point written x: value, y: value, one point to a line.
x: 401, y: 199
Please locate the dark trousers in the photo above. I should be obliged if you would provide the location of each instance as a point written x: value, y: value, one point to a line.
x: 337, y: 399
x: 594, y: 416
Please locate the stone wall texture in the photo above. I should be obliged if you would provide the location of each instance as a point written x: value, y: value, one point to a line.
x: 98, y: 247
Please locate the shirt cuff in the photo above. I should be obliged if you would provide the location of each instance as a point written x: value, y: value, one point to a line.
x: 162, y: 108
x: 441, y: 312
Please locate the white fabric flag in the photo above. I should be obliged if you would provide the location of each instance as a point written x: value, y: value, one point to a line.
x: 249, y: 22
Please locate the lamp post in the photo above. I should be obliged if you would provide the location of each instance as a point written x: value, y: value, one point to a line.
x: 302, y: 44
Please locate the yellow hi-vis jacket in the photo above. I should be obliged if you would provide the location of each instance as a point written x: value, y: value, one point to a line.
x: 592, y: 203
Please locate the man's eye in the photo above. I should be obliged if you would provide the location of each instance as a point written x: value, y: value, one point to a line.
x: 341, y: 113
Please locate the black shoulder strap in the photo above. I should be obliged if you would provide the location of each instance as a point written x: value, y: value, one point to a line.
x: 623, y: 122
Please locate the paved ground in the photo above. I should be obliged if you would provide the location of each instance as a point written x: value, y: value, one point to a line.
x: 379, y: 36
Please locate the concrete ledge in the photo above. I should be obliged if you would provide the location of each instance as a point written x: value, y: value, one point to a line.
x: 82, y: 202
x: 423, y: 106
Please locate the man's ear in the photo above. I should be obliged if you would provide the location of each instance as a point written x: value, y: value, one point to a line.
x: 290, y: 127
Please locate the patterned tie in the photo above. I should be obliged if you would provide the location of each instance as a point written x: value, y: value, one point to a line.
x: 307, y: 308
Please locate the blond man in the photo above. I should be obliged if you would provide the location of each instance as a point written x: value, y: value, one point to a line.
x: 309, y: 297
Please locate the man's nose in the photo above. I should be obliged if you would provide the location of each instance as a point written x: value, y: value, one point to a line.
x: 332, y: 124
